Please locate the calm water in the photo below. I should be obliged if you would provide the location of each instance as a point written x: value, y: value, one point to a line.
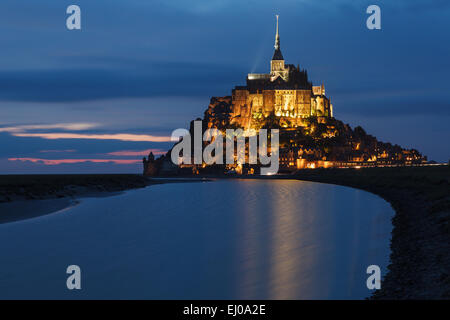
x: 232, y: 239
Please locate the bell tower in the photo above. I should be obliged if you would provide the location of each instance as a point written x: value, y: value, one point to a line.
x: 277, y: 68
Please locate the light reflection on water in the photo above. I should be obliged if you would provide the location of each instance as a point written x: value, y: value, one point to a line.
x: 230, y: 239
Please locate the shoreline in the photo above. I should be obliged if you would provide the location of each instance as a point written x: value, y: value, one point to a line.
x: 25, y: 197
x: 41, y: 187
x: 420, y: 244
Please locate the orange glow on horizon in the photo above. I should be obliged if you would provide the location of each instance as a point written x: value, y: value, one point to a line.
x: 115, y: 136
x: 64, y: 126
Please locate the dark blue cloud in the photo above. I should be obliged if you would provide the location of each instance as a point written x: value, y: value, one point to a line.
x: 403, y: 106
x: 149, y: 79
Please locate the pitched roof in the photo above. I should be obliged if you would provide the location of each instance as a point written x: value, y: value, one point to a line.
x: 277, y: 55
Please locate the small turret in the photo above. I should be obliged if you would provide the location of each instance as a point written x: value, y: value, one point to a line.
x: 151, y: 166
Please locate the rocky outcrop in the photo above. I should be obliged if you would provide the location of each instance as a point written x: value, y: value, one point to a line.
x: 218, y: 114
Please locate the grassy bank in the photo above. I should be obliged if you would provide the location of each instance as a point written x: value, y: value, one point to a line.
x: 420, y: 257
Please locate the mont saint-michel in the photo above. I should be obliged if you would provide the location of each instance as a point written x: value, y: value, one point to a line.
x: 259, y: 181
x: 310, y: 136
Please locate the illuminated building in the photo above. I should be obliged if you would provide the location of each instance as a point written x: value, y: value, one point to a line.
x: 285, y: 92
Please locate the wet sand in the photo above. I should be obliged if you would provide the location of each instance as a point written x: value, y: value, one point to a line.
x: 30, y: 196
x: 27, y: 209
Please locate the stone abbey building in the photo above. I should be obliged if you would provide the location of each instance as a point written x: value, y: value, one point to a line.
x: 285, y: 92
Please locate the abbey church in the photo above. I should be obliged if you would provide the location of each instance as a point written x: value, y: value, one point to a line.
x: 285, y: 92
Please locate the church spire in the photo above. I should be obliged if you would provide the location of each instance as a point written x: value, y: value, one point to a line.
x: 277, y: 38
x: 277, y: 54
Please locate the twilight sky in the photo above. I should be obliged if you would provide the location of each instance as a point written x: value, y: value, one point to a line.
x: 98, y: 99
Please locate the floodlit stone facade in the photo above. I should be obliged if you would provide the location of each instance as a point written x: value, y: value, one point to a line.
x: 285, y: 92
